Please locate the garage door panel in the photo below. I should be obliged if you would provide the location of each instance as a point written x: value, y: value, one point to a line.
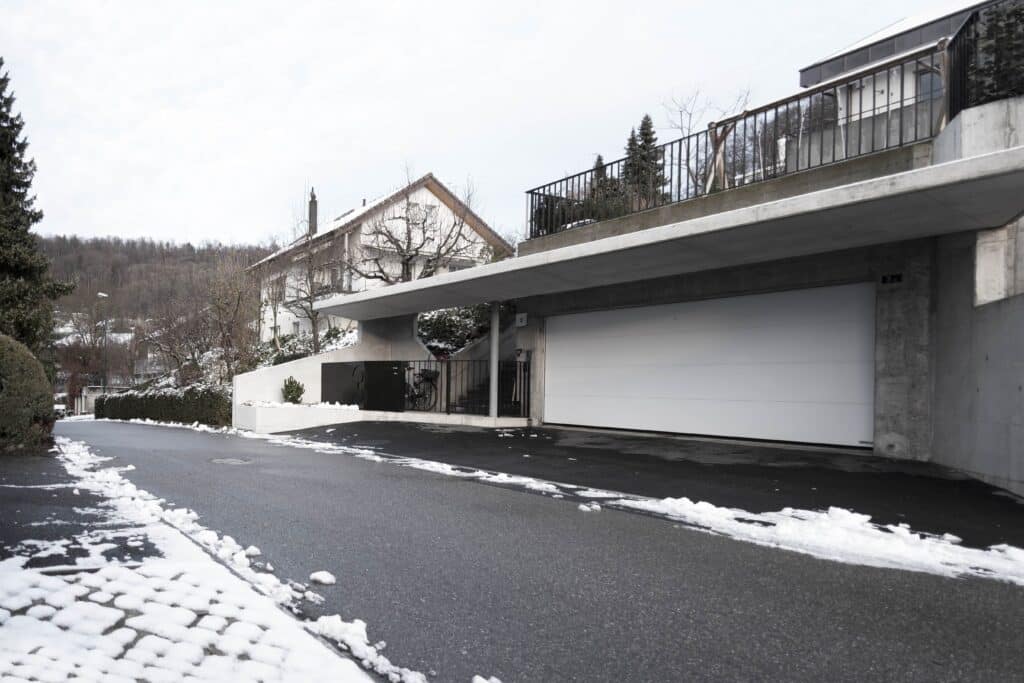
x: 781, y: 381
x: 774, y: 346
x: 821, y: 423
x: 795, y: 366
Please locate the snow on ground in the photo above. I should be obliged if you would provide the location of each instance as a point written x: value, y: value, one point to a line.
x: 835, y: 534
x: 182, y: 614
x: 324, y: 577
x: 161, y: 621
x: 278, y: 404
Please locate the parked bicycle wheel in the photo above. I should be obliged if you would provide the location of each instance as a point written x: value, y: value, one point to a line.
x: 425, y: 397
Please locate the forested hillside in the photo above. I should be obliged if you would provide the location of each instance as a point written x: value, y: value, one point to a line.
x: 135, y: 273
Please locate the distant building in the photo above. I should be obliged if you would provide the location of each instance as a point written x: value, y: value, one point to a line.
x: 351, y: 245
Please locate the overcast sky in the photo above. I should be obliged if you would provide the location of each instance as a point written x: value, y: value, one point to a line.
x: 210, y: 121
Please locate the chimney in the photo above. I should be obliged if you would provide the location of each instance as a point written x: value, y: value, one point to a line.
x: 364, y: 201
x: 312, y: 212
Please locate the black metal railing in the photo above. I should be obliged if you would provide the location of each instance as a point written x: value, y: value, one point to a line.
x: 887, y: 106
x: 987, y: 56
x: 463, y: 386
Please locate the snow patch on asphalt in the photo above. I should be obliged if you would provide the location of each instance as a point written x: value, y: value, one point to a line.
x: 834, y: 534
x: 134, y: 505
x: 324, y: 577
x: 181, y: 616
x: 845, y: 536
x: 352, y: 634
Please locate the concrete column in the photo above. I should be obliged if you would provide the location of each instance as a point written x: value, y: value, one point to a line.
x: 495, y: 346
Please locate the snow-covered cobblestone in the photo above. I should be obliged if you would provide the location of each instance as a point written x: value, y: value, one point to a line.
x: 155, y: 622
x: 177, y: 615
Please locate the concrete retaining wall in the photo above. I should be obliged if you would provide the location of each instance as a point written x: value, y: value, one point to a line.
x: 979, y: 374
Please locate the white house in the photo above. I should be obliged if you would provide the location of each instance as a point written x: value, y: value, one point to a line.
x: 422, y: 226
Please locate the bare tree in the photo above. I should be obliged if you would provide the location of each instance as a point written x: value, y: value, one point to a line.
x: 313, y: 274
x: 275, y: 287
x: 408, y: 240
x: 179, y: 330
x: 233, y: 303
x: 696, y: 112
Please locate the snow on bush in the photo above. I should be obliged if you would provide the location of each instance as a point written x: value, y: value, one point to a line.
x: 449, y: 330
x: 291, y: 347
x: 202, y: 403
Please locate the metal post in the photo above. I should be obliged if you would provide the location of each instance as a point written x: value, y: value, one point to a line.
x: 106, y: 328
x: 495, y: 342
x: 447, y: 386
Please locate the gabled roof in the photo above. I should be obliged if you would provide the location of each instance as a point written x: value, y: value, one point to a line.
x: 353, y: 217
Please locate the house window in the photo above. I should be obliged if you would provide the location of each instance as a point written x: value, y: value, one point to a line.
x: 295, y: 328
x: 929, y: 84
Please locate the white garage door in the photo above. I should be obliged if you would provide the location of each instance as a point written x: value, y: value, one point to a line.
x: 788, y: 366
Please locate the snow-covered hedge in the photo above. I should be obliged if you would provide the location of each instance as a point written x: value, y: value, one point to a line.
x: 203, y: 403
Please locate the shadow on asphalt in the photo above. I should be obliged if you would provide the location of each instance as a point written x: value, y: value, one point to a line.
x: 752, y: 477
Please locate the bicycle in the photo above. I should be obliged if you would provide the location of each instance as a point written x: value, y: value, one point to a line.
x: 421, y: 391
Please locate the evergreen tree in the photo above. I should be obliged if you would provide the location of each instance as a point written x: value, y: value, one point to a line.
x: 632, y: 164
x: 652, y: 173
x: 26, y: 290
x: 642, y: 171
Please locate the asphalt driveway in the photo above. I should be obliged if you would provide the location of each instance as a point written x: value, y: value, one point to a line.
x: 462, y: 578
x: 752, y: 476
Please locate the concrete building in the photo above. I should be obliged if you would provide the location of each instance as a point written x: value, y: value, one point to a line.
x: 844, y: 267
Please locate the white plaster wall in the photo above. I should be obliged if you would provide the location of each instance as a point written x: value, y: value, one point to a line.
x: 269, y: 420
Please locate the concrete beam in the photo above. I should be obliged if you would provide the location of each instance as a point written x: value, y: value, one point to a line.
x: 965, y: 194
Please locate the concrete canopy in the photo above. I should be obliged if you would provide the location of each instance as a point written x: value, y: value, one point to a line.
x: 967, y: 194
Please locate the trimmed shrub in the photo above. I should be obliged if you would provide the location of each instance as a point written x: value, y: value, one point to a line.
x: 289, y: 357
x: 26, y: 398
x: 293, y: 390
x: 203, y: 403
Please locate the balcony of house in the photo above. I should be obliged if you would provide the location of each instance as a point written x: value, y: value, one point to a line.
x: 878, y: 121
